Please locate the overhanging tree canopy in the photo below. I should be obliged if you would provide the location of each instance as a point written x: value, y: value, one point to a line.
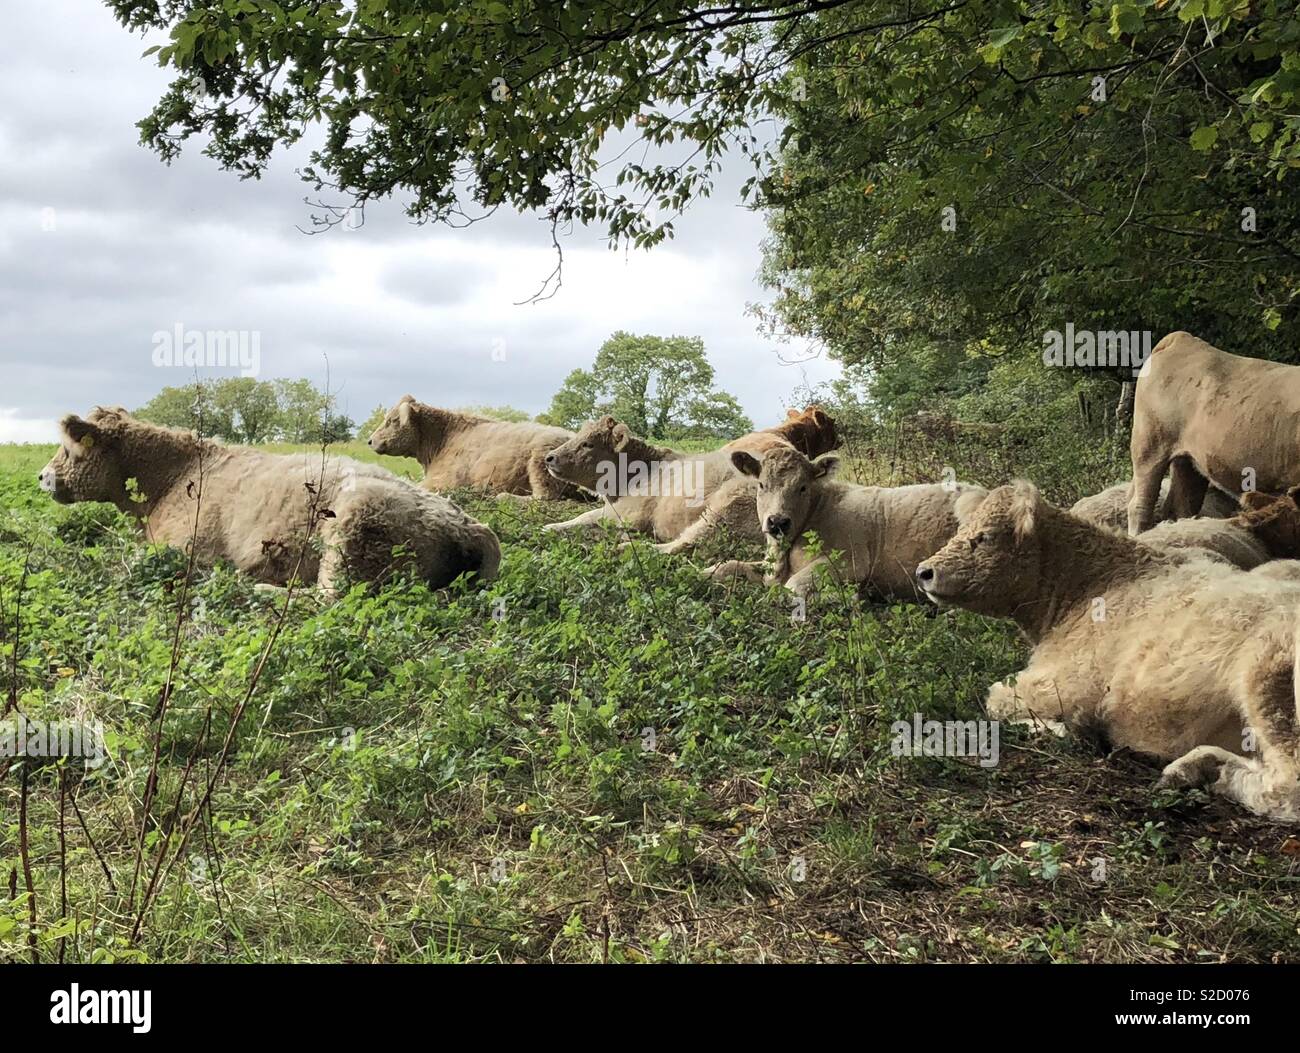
x: 490, y: 102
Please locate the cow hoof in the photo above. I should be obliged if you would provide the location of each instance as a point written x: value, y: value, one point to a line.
x: 1200, y: 767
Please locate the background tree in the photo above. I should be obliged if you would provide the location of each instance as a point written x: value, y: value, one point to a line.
x: 249, y: 408
x: 302, y: 406
x: 575, y: 402
x: 503, y: 413
x: 660, y: 387
x: 368, y: 426
x: 245, y: 410
x: 191, y: 406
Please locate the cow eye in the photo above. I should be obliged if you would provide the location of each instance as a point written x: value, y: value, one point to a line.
x: 976, y: 541
x: 803, y: 489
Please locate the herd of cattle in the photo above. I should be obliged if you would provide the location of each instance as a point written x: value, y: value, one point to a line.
x: 1165, y: 614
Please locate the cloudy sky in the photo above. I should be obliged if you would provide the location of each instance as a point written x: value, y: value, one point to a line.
x: 102, y: 247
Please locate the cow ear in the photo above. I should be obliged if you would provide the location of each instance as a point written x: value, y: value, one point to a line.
x: 608, y: 423
x: 620, y: 435
x: 1294, y: 494
x: 406, y: 398
x: 967, y: 504
x: 791, y: 414
x: 745, y: 463
x: 1253, y: 500
x: 82, y: 432
x: 404, y: 412
x: 1024, y: 508
x: 825, y: 465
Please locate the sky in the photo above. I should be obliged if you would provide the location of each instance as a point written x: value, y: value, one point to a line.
x: 105, y: 251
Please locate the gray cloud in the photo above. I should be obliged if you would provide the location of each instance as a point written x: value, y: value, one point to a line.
x: 102, y: 247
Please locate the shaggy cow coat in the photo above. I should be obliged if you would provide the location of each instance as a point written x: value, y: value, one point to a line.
x: 260, y: 510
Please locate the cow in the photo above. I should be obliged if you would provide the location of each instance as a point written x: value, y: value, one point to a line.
x: 1207, y: 416
x: 1223, y: 539
x: 678, y: 498
x: 1275, y: 521
x: 260, y: 511
x: 881, y: 531
x: 463, y: 450
x: 1265, y: 528
x: 1187, y: 660
x: 1110, y: 507
x: 810, y: 431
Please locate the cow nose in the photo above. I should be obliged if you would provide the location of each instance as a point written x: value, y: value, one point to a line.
x: 778, y: 525
x: 371, y: 442
x: 550, y: 458
x: 925, y: 575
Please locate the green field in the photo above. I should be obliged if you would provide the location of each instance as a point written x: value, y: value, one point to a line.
x: 601, y: 756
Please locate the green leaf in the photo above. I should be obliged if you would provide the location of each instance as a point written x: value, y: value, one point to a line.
x: 1260, y: 130
x: 1204, y: 138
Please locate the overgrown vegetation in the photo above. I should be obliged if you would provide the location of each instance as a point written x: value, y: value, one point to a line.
x: 685, y: 773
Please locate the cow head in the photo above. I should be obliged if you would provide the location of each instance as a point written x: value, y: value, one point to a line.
x: 399, y: 434
x: 89, y: 464
x: 788, y: 485
x: 1274, y: 520
x: 811, y: 432
x: 579, y: 460
x: 991, y: 564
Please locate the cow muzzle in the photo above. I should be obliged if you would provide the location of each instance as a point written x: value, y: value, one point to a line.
x: 48, y: 481
x: 777, y: 526
x: 928, y: 582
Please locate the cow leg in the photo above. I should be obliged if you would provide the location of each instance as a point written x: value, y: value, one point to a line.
x: 697, y: 532
x: 1267, y: 783
x: 1187, y: 488
x: 1262, y: 786
x: 1147, y: 475
x: 1033, y: 699
x: 586, y: 521
x: 1201, y: 766
x: 803, y: 583
x: 334, y: 560
x: 729, y: 510
x: 736, y: 568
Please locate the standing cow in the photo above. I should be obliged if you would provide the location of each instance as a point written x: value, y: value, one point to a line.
x: 1207, y: 416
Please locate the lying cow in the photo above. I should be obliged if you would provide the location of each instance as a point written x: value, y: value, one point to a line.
x: 882, y: 531
x: 1275, y: 521
x: 811, y: 432
x: 678, y: 498
x: 1110, y: 507
x: 459, y: 449
x: 1180, y: 660
x: 1210, y: 417
x: 1265, y: 528
x: 255, y: 509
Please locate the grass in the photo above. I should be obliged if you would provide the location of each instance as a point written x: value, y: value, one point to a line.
x: 599, y: 757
